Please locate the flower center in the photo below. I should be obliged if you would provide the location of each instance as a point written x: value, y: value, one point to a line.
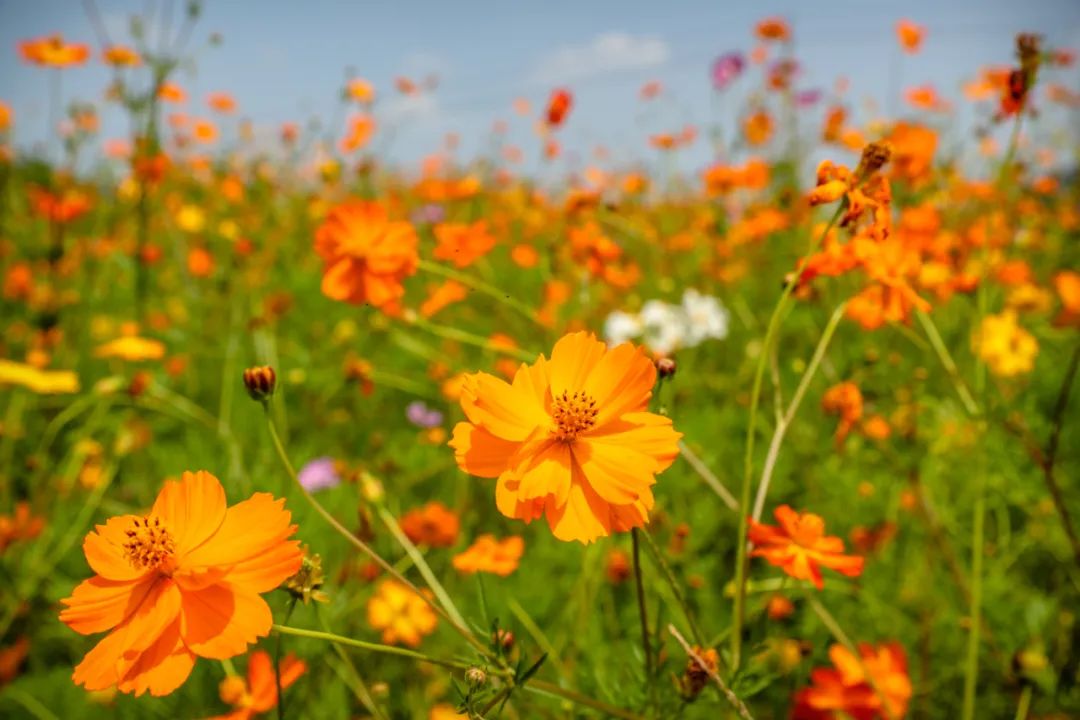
x: 149, y: 544
x: 573, y: 413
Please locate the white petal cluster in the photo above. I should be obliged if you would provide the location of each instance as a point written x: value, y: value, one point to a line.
x: 664, y: 327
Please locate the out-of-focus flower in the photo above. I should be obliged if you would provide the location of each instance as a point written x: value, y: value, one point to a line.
x: 12, y: 658
x: 570, y: 438
x: 21, y: 525
x: 320, y: 474
x: 696, y: 675
x: 558, y: 107
x: 845, y: 400
x: 258, y: 694
x: 361, y: 91
x: 183, y: 581
x: 1067, y: 284
x: 665, y: 326
x: 221, y: 102
x: 800, y: 547
x: 422, y: 416
x: 400, y: 614
x: 773, y: 28
x: 442, y: 295
x: 725, y: 69
x: 366, y: 255
x: 490, y: 555
x: 620, y: 327
x: 910, y: 35
x: 132, y: 348
x: 43, y: 382
x: 120, y: 56
x: 361, y: 130
x: 1006, y: 348
x: 463, y: 244
x: 52, y: 51
x: 845, y: 688
x: 706, y: 318
x: 433, y: 525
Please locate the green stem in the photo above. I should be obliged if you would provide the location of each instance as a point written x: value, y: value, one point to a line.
x: 665, y: 570
x: 371, y: 647
x: 1024, y: 705
x: 947, y: 362
x: 277, y: 663
x: 730, y: 696
x: 645, y: 646
x: 450, y: 333
x: 748, y: 459
x: 357, y: 542
x: 481, y: 287
x: 708, y: 476
x: 358, y: 687
x: 548, y: 688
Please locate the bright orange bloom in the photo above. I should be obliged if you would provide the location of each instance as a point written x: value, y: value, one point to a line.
x: 846, y: 401
x: 571, y: 438
x: 360, y: 90
x: 487, y: 554
x: 843, y: 690
x: 19, y: 526
x: 365, y: 254
x: 800, y: 547
x: 925, y: 97
x: 443, y: 295
x: 463, y: 244
x: 59, y: 207
x: 200, y: 262
x: 558, y: 107
x: 171, y: 92
x: 910, y: 35
x: 525, y: 256
x: 120, y: 56
x: 434, y: 525
x: 258, y: 694
x: 52, y: 51
x: 758, y: 127
x: 773, y: 28
x: 1067, y: 284
x: 18, y: 282
x: 361, y: 129
x: 204, y: 131
x: 400, y: 614
x: 183, y: 581
x: 5, y: 116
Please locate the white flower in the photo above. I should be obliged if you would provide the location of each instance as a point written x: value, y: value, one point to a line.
x: 665, y: 326
x: 620, y: 327
x: 706, y: 317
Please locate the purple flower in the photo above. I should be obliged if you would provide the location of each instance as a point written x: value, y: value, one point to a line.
x: 430, y: 213
x: 806, y: 98
x: 422, y: 416
x: 726, y: 68
x: 319, y: 474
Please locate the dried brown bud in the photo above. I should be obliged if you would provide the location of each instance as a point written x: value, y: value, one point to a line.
x: 696, y: 676
x: 260, y: 382
x: 874, y: 157
x: 666, y: 367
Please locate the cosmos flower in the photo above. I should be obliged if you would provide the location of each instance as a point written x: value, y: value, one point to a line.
x: 433, y: 525
x: 43, y: 382
x: 461, y: 243
x: 420, y: 415
x: 52, y: 51
x: 725, y: 69
x: 401, y: 615
x: 258, y: 693
x: 558, y: 107
x: 182, y: 581
x: 800, y: 547
x: 490, y: 555
x: 843, y: 690
x: 570, y: 439
x: 1006, y: 347
x: 320, y: 474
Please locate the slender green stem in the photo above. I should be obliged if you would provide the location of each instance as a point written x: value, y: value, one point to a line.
x: 730, y: 696
x: 708, y: 476
x: 481, y: 287
x: 420, y: 563
x: 1024, y: 705
x: 676, y: 589
x: 548, y: 688
x: 360, y: 544
x: 358, y: 687
x: 645, y: 645
x: 788, y: 415
x: 277, y: 663
x: 748, y: 459
x: 947, y: 362
x: 372, y: 647
x: 449, y: 333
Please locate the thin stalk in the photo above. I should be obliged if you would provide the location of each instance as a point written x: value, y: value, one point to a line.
x: 360, y: 544
x: 665, y: 570
x: 788, y: 415
x: 421, y: 564
x: 645, y: 645
x: 707, y: 475
x: 359, y: 688
x: 748, y: 460
x: 548, y: 688
x: 1024, y: 705
x: 372, y: 647
x: 947, y: 362
x: 481, y: 287
x: 1050, y: 456
x: 277, y: 663
x: 730, y: 696
x: 449, y: 333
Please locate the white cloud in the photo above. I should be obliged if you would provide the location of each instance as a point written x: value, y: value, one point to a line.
x: 606, y: 53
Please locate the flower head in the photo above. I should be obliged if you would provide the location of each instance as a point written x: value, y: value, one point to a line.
x: 52, y: 51
x: 434, y: 525
x: 1006, y: 347
x: 258, y: 693
x: 800, y: 547
x: 570, y: 438
x: 726, y: 68
x: 487, y: 554
x: 401, y: 615
x: 180, y: 582
x: 844, y: 688
x: 365, y: 254
x: 320, y: 474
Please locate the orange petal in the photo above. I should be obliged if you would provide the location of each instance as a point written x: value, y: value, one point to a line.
x: 220, y: 621
x: 621, y: 382
x: 105, y: 552
x: 251, y: 528
x: 618, y: 473
x: 480, y: 453
x: 98, y: 604
x: 502, y: 410
x: 161, y: 668
x: 584, y: 517
x: 546, y: 473
x: 266, y: 571
x: 263, y: 684
x: 99, y: 668
x: 572, y: 360
x: 192, y: 509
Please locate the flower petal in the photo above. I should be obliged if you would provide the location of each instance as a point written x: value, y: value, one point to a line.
x: 572, y: 361
x: 222, y: 620
x: 250, y: 528
x: 99, y: 604
x: 192, y: 509
x: 480, y: 453
x: 104, y: 549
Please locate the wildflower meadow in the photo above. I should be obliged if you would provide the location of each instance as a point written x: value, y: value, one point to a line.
x: 766, y: 413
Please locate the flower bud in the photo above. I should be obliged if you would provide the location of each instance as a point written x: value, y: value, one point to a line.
x: 260, y: 382
x: 666, y: 367
x: 475, y: 677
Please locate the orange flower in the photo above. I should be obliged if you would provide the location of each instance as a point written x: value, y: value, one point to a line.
x: 844, y: 691
x: 221, y: 102
x: 570, y: 438
x: 487, y: 554
x: 1067, y: 284
x: 120, y: 56
x: 59, y: 207
x: 361, y: 128
x: 758, y: 127
x: 200, y: 262
x: 442, y: 295
x: 365, y: 254
x: 910, y: 36
x: 800, y: 547
x: 52, y: 51
x: 434, y: 525
x: 360, y: 90
x: 204, y: 131
x: 558, y: 107
x: 525, y: 256
x: 463, y: 244
x: 183, y: 581
x: 171, y: 92
x: 400, y: 614
x: 11, y: 659
x: 20, y: 525
x: 258, y: 694
x: 846, y: 401
x: 925, y: 97
x: 773, y: 28
x: 5, y: 116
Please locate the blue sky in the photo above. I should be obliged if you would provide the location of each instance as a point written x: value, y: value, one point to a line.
x: 285, y: 61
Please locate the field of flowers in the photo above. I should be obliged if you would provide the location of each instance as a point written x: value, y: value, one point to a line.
x: 307, y: 434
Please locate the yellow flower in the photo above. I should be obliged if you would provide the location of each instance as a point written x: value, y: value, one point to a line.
x: 401, y: 615
x: 190, y: 219
x: 45, y: 382
x: 132, y: 348
x: 1005, y: 347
